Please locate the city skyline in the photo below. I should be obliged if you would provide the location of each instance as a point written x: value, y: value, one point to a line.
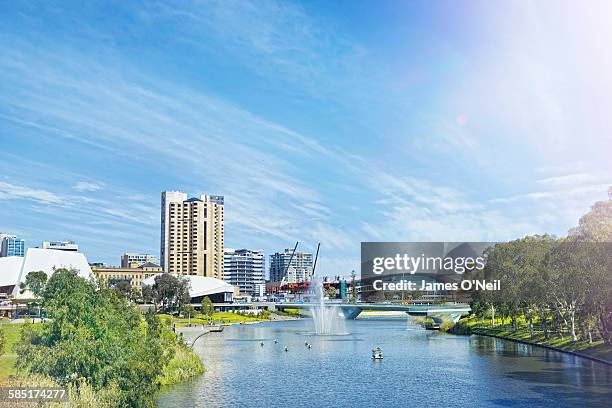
x: 318, y: 124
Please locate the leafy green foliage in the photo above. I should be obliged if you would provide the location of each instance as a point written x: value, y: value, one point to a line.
x: 207, y: 307
x: 35, y: 281
x: 565, y: 284
x: 169, y: 292
x: 93, y: 335
x: 2, y: 340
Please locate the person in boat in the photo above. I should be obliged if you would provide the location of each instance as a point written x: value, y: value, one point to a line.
x: 261, y: 343
x: 377, y: 353
x: 286, y: 348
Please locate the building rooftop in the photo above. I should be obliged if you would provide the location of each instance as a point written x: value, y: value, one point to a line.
x: 14, y: 269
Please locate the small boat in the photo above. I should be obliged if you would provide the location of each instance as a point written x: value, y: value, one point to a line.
x: 377, y: 354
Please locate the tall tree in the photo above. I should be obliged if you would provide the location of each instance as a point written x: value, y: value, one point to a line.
x: 171, y: 292
x: 35, y: 282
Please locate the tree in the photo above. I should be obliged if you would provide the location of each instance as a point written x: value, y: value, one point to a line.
x: 596, y: 226
x: 171, y: 293
x: 2, y: 340
x: 148, y: 294
x: 35, y: 282
x: 207, y: 307
x: 95, y: 336
x: 122, y: 286
x: 331, y: 292
x: 188, y: 310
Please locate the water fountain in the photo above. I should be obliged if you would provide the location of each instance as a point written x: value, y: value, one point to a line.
x: 327, y: 318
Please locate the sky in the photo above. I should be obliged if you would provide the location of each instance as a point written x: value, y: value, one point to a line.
x: 332, y: 122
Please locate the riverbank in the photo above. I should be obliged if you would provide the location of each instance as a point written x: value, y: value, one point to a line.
x: 224, y: 319
x: 184, y: 364
x: 380, y: 313
x: 596, y: 350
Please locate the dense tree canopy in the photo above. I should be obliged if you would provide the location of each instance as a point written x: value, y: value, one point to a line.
x: 93, y: 335
x: 565, y: 282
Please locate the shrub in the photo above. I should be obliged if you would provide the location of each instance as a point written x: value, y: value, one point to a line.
x: 446, y: 325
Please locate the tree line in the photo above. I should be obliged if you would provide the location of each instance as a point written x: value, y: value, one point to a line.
x: 562, y: 284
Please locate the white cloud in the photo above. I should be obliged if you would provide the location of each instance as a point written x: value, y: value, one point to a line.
x: 13, y: 191
x: 87, y: 186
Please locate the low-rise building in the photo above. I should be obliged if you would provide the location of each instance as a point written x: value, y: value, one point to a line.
x: 69, y: 246
x: 134, y: 260
x: 201, y: 287
x: 135, y: 276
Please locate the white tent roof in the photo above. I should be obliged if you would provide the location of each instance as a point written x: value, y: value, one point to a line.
x: 14, y: 269
x: 10, y: 269
x: 200, y: 285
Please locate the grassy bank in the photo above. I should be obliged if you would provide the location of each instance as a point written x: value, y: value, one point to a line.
x: 12, y: 332
x: 595, y: 349
x: 185, y: 364
x: 221, y: 317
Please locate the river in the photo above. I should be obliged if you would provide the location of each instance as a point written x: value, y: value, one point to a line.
x: 420, y: 368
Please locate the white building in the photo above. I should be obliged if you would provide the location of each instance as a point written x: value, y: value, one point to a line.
x: 68, y: 246
x: 200, y: 287
x: 14, y: 269
x: 244, y: 268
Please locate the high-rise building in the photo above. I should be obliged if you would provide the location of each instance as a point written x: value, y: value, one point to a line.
x: 192, y: 234
x: 10, y: 245
x: 300, y: 269
x: 135, y: 260
x: 61, y: 246
x: 244, y: 268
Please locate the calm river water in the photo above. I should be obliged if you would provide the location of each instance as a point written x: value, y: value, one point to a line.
x: 420, y: 368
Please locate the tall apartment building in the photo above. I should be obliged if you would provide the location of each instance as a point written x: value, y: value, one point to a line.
x: 70, y: 246
x: 192, y: 234
x: 134, y: 260
x: 244, y: 268
x: 300, y: 269
x: 10, y: 245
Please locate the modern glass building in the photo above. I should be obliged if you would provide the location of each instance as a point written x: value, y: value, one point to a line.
x: 10, y: 245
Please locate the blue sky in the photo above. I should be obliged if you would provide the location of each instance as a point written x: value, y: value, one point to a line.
x: 339, y: 123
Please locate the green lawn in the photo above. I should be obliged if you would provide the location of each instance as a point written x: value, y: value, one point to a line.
x: 12, y: 332
x: 225, y: 317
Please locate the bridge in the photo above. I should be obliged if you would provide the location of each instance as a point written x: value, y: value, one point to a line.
x: 437, y: 312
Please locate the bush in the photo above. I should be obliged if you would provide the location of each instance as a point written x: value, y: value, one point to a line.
x: 184, y: 364
x: 446, y: 325
x: 94, y: 337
